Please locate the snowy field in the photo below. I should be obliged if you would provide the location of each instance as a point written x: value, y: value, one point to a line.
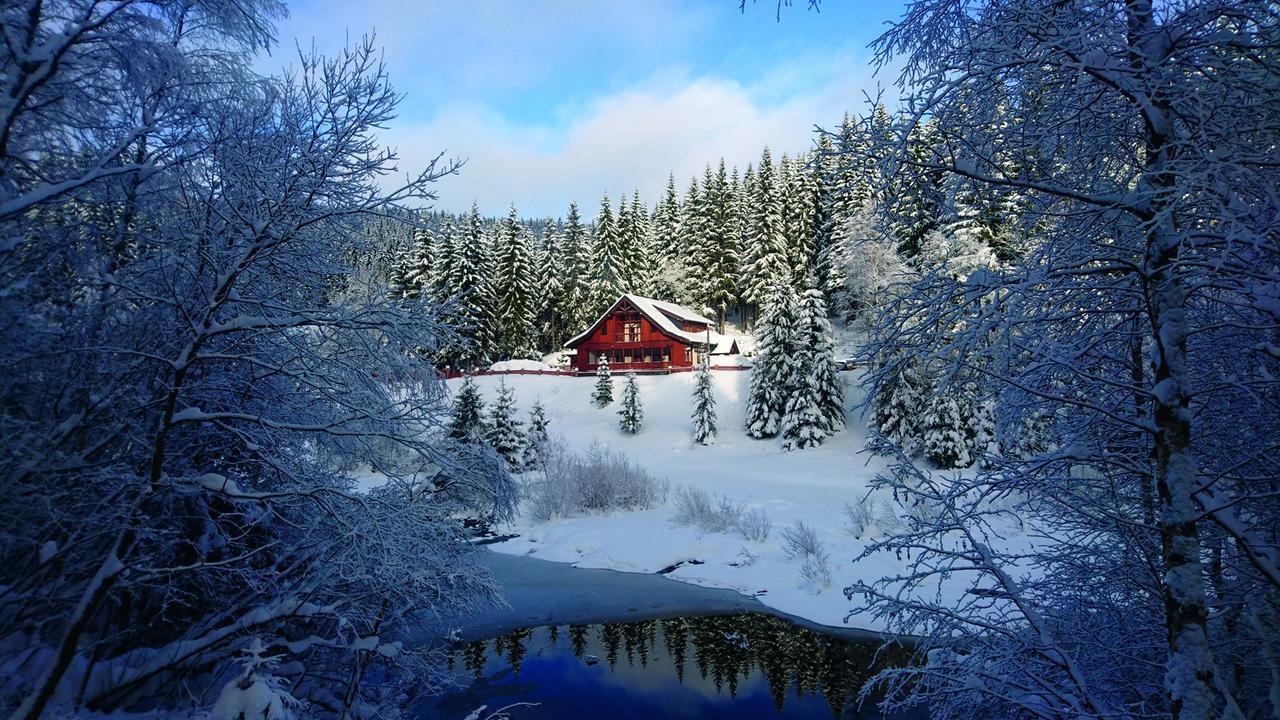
x: 810, y: 485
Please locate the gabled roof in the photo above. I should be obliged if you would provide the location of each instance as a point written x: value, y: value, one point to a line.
x: 659, y: 313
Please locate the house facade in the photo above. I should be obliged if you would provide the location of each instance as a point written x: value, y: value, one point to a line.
x: 647, y: 335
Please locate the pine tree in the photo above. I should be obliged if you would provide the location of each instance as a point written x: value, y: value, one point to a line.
x: 798, y: 197
x: 536, y: 441
x: 504, y: 434
x: 608, y: 261
x: 766, y: 260
x: 550, y: 288
x: 815, y: 408
x: 915, y: 199
x: 446, y: 261
x: 631, y: 414
x: 420, y: 275
x: 717, y: 248
x: 516, y: 291
x: 471, y: 285
x: 603, y: 393
x: 943, y: 432
x: 704, y: 407
x: 576, y: 255
x: 638, y: 242
x: 773, y: 373
x: 467, y: 422
x: 899, y: 406
x: 668, y: 248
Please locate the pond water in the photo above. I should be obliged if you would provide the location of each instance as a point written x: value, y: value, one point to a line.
x: 739, y: 666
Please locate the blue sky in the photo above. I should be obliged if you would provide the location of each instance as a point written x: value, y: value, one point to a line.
x: 562, y: 100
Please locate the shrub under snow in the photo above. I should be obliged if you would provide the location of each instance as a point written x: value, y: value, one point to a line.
x: 699, y: 509
x: 598, y: 480
x: 801, y: 541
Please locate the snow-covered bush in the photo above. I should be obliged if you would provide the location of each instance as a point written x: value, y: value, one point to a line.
x: 256, y: 693
x: 859, y: 517
x: 800, y: 541
x: 698, y: 508
x: 596, y: 481
x: 816, y: 568
x: 755, y: 524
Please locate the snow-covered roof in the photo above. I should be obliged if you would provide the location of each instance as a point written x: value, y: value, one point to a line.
x: 724, y: 344
x: 660, y: 312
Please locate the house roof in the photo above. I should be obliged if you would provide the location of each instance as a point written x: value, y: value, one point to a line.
x: 659, y: 313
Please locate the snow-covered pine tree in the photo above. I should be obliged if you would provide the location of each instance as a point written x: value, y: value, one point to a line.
x: 704, y: 407
x: 899, y: 405
x: 472, y: 287
x: 551, y: 288
x: 536, y: 440
x: 631, y: 414
x: 720, y: 250
x: 503, y: 433
x: 608, y: 261
x: 815, y: 405
x: 420, y: 275
x: 914, y: 198
x: 979, y: 415
x: 576, y: 258
x: 516, y: 291
x: 667, y: 248
x: 765, y: 261
x: 638, y: 243
x: 825, y: 170
x: 798, y: 196
x: 398, y: 271
x: 814, y: 341
x: 467, y: 421
x: 446, y: 259
x: 943, y: 429
x: 773, y: 372
x: 602, y: 395
x: 802, y: 422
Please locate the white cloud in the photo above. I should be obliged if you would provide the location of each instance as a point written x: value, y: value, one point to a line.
x: 627, y: 140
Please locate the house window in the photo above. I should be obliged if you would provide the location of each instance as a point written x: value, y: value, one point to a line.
x: 666, y: 354
x: 631, y: 331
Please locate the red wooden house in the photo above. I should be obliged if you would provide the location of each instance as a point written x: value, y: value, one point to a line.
x: 639, y: 333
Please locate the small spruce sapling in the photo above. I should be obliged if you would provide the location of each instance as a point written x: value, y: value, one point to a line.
x: 631, y: 414
x: 504, y: 433
x: 603, y: 394
x: 704, y: 408
x: 536, y: 440
x: 467, y: 423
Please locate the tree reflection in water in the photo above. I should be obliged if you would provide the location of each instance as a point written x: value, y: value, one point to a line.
x: 727, y: 651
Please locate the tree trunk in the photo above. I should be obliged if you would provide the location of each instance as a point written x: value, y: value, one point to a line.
x: 1189, y: 674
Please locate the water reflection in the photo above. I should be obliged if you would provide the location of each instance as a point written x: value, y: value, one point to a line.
x: 739, y: 666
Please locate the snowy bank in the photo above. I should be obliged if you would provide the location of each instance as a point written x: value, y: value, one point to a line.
x: 812, y: 486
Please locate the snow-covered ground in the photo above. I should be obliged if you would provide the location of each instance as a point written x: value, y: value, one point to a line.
x: 810, y: 485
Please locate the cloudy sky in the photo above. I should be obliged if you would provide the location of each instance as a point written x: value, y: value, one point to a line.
x: 560, y: 100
